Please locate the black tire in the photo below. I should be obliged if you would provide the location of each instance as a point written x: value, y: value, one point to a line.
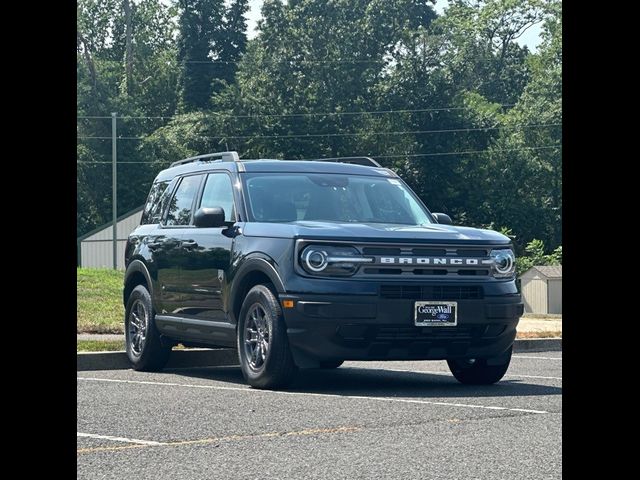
x: 329, y: 364
x: 148, y: 354
x: 273, y: 368
x: 478, y: 372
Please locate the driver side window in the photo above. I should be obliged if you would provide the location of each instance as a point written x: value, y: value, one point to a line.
x: 218, y: 192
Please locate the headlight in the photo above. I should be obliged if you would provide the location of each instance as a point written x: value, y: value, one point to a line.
x: 331, y: 260
x: 504, y: 263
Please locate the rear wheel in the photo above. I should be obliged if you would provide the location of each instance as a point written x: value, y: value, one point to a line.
x: 263, y: 345
x: 480, y: 371
x: 144, y: 347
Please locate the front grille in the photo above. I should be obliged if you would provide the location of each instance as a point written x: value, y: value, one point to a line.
x: 473, y: 272
x: 380, y: 251
x: 426, y: 252
x: 432, y: 292
x: 411, y: 260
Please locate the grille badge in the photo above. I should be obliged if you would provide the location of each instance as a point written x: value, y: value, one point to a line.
x: 431, y: 261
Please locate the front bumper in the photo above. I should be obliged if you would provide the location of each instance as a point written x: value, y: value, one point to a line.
x: 367, y: 327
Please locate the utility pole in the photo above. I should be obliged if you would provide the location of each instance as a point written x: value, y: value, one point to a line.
x: 114, y: 190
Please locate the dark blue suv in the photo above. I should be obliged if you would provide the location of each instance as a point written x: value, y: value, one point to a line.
x: 305, y: 264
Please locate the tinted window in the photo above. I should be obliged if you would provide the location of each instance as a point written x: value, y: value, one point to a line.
x: 218, y: 192
x: 180, y: 207
x: 157, y: 199
x: 330, y: 197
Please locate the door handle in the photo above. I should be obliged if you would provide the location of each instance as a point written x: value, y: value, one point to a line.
x: 189, y: 243
x: 162, y: 242
x: 153, y: 245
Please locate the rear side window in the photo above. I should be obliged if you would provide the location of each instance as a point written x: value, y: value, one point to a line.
x: 181, y: 204
x: 218, y: 192
x: 158, y: 195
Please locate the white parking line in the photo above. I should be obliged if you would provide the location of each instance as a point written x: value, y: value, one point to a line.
x: 119, y: 439
x: 431, y: 372
x: 536, y: 358
x: 533, y: 376
x: 356, y: 397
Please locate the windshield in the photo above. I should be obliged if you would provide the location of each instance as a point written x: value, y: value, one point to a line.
x: 288, y: 197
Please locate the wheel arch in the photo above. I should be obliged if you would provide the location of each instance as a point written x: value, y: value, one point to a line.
x: 254, y: 271
x: 137, y: 274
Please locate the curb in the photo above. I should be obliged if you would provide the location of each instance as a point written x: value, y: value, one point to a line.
x: 204, y: 357
x: 197, y: 357
x: 537, y: 345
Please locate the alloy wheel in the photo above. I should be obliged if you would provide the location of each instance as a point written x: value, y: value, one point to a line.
x: 137, y: 329
x: 257, y: 337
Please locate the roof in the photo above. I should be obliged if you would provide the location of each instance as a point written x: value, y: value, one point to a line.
x: 271, y: 165
x: 108, y: 224
x: 549, y: 271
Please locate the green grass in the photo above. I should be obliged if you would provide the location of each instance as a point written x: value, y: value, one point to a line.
x: 100, y: 345
x: 99, y: 297
x: 109, y: 346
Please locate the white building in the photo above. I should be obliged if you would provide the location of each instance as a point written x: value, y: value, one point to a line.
x: 541, y: 289
x: 95, y: 249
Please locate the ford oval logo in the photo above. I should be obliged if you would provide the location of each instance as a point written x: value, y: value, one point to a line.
x: 443, y: 316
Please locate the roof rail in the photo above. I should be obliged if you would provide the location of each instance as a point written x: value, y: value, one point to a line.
x: 366, y: 161
x: 220, y: 156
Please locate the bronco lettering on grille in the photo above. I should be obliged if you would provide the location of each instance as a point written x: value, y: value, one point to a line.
x: 430, y: 261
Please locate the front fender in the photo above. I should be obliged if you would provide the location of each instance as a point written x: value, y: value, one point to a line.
x: 260, y: 263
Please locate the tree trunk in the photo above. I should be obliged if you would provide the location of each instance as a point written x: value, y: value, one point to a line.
x: 128, y: 52
x: 89, y: 61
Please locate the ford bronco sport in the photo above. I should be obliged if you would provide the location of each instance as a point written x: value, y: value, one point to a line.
x: 305, y: 264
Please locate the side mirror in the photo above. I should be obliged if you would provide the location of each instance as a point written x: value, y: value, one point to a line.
x: 209, y: 217
x: 443, y: 218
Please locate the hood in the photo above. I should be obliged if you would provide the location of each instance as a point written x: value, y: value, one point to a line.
x: 375, y: 232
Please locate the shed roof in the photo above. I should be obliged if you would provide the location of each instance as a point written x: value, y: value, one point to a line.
x: 109, y: 224
x: 549, y: 271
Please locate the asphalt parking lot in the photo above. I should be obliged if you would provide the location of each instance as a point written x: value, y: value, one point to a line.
x: 363, y: 420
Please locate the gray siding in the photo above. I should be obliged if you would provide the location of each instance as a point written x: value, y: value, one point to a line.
x: 125, y: 227
x: 534, y: 295
x: 96, y: 251
x: 555, y: 295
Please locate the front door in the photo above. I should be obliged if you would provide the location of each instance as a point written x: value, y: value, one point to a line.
x: 209, y: 254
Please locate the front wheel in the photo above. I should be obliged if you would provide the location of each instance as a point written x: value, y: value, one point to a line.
x: 263, y: 345
x: 480, y: 371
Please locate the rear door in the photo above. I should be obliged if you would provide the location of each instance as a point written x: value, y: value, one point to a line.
x: 209, y: 253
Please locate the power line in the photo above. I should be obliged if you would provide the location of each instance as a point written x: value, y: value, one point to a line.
x: 276, y: 115
x: 400, y: 155
x: 280, y: 60
x: 357, y: 134
x: 466, y: 152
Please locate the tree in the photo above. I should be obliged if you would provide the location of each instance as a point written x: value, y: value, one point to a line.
x: 311, y: 57
x: 466, y: 69
x: 466, y: 115
x: 534, y: 256
x: 126, y: 63
x: 211, y: 40
x: 527, y: 161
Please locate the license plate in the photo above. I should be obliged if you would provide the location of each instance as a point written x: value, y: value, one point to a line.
x: 436, y: 314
